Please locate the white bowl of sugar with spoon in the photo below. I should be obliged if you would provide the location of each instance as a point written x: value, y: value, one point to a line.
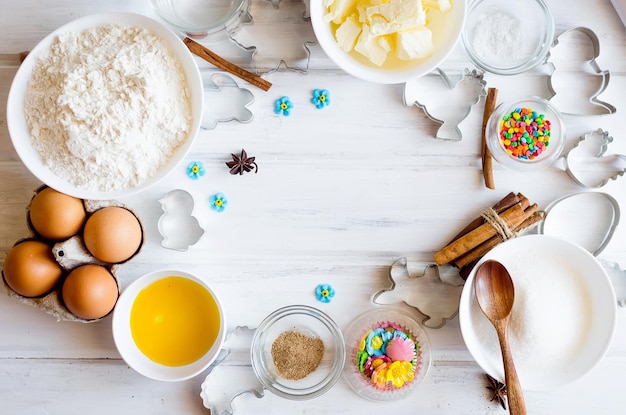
x: 563, y: 318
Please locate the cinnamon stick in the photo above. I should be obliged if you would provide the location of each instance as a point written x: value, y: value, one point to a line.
x: 209, y: 56
x: 475, y: 255
x: 502, y: 205
x: 490, y: 105
x: 512, y: 217
x: 486, y: 246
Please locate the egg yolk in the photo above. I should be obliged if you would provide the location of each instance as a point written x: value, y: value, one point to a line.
x: 174, y: 321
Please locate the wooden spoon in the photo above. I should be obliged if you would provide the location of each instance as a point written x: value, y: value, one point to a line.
x: 495, y: 294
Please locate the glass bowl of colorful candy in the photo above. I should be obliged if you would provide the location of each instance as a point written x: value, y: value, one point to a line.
x: 508, y: 40
x: 525, y: 134
x: 298, y: 352
x: 388, y: 354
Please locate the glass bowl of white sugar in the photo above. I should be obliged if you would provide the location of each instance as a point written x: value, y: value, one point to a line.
x: 508, y: 39
x: 563, y: 318
x: 201, y: 18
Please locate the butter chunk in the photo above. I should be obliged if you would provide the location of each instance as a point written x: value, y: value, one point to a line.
x: 348, y: 33
x: 339, y: 10
x: 372, y: 47
x: 395, y: 16
x: 414, y: 44
x: 442, y: 5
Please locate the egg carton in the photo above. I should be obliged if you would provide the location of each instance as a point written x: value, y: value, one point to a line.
x: 69, y: 254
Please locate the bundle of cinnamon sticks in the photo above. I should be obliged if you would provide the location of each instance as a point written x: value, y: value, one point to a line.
x: 510, y: 217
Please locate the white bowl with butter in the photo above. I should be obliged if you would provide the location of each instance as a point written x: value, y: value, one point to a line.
x: 388, y: 43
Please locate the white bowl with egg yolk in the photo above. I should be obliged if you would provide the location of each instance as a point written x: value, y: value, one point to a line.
x: 169, y: 325
x: 446, y: 28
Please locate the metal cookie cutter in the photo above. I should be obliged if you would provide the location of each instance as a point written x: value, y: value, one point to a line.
x: 587, y: 163
x: 582, y: 44
x: 446, y: 99
x: 271, y: 49
x: 234, y: 358
x: 587, y: 218
x: 437, y: 300
x: 177, y: 226
x: 224, y: 100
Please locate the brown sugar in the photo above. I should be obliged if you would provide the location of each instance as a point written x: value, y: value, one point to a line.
x: 296, y: 355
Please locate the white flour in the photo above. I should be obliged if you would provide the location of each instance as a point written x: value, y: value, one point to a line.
x: 107, y: 107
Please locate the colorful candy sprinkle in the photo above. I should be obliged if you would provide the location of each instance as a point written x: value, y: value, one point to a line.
x: 525, y: 133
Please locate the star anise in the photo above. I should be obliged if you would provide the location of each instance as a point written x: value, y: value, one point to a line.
x: 242, y: 163
x: 499, y: 391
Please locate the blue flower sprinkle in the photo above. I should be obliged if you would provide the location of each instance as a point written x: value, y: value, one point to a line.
x: 195, y: 169
x: 218, y: 202
x: 324, y: 293
x: 321, y: 98
x: 283, y: 105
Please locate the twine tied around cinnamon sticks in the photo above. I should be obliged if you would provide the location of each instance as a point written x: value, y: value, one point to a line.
x: 509, y: 218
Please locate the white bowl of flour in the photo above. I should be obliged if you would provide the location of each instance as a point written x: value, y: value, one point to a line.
x: 563, y: 318
x: 105, y: 106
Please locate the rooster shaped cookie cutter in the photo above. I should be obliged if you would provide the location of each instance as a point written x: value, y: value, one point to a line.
x: 588, y: 163
x: 455, y: 96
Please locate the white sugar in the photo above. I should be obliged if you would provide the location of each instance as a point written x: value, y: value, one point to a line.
x: 551, y: 315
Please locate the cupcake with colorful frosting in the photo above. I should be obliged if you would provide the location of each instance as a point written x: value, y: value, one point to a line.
x: 388, y: 356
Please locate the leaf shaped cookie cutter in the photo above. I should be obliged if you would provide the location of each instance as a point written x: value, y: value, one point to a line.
x: 436, y: 299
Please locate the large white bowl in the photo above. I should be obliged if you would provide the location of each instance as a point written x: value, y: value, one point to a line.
x: 134, y: 357
x: 593, y: 334
x: 16, y: 118
x: 446, y: 27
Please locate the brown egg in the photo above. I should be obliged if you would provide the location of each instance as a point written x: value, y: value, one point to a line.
x: 112, y: 234
x: 90, y: 291
x: 30, y: 269
x: 55, y: 215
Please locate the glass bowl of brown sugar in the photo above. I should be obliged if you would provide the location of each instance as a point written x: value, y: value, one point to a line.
x: 298, y: 352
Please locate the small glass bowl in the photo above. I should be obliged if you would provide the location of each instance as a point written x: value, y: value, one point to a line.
x: 507, y: 39
x: 549, y: 154
x: 312, y: 323
x: 355, y: 340
x: 200, y: 18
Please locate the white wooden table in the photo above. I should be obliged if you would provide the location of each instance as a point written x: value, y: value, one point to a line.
x: 341, y: 194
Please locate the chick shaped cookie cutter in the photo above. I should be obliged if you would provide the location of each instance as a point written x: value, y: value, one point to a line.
x: 178, y: 227
x: 588, y: 163
x: 455, y: 94
x: 436, y: 299
x: 578, y: 66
